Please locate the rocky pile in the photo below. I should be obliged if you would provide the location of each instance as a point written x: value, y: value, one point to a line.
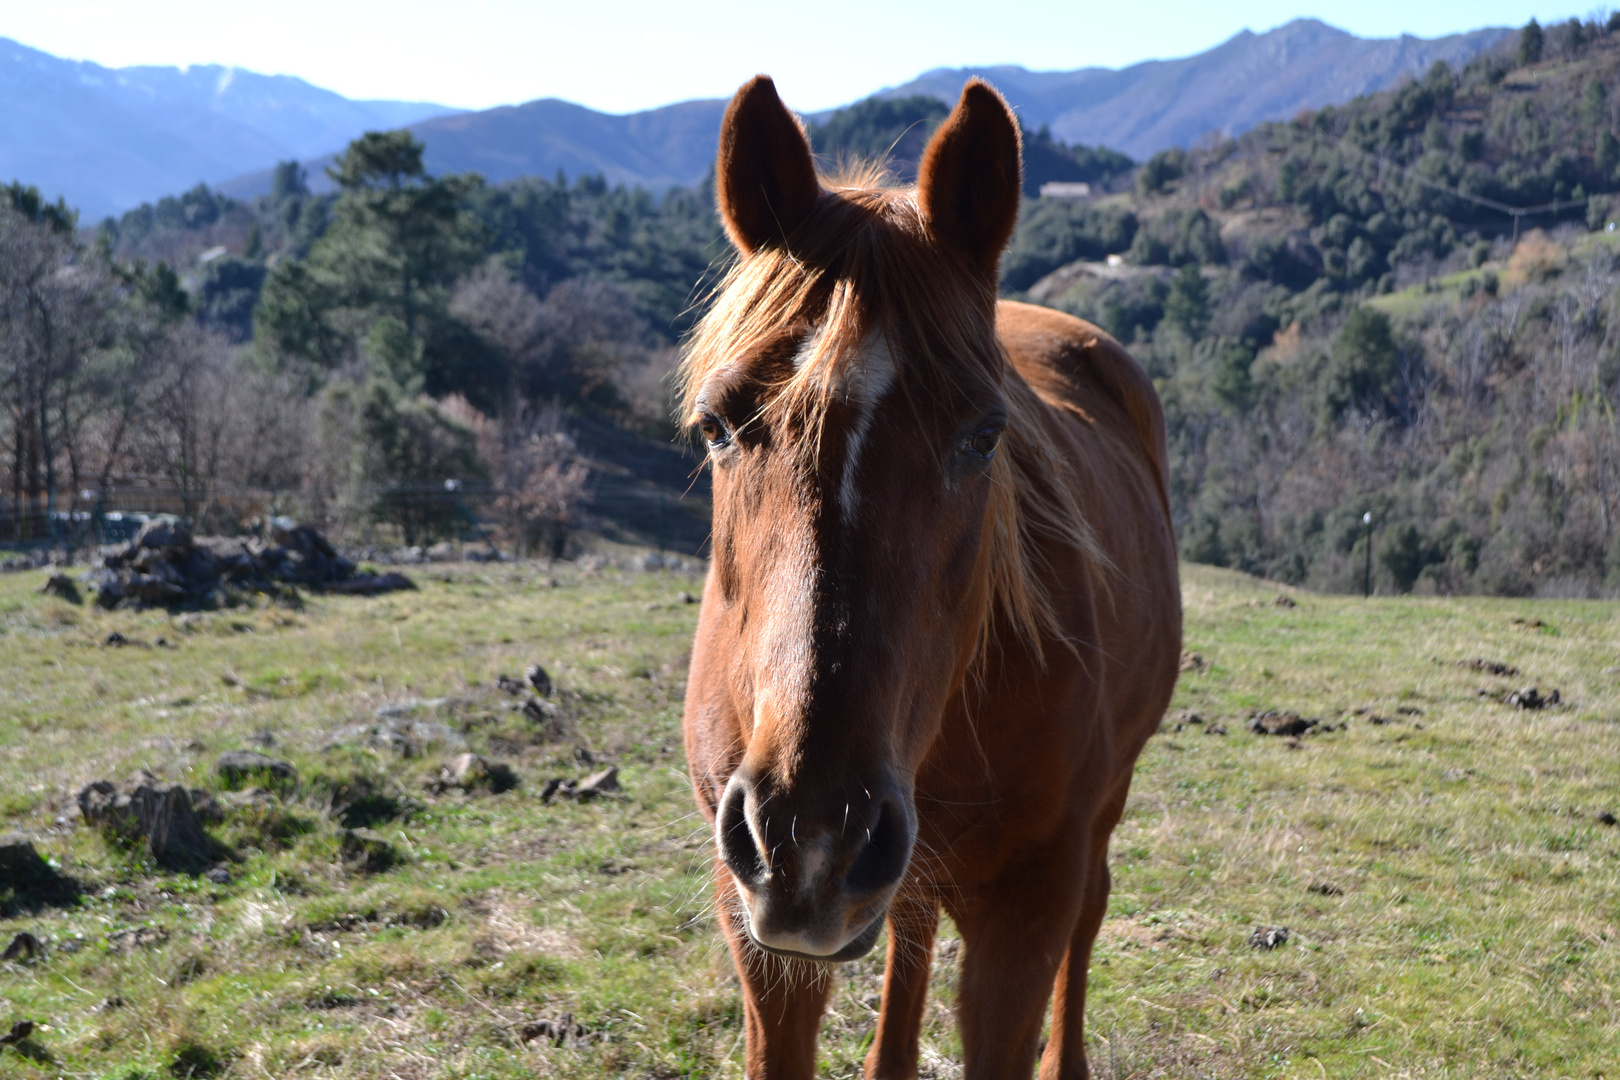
x: 166, y: 566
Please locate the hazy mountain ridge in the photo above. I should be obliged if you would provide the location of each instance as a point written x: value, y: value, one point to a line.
x: 1245, y: 81
x: 107, y: 139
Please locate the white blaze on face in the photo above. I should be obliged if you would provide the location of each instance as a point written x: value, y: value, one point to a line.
x: 863, y: 381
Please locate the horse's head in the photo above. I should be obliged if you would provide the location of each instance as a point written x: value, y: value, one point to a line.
x: 849, y: 386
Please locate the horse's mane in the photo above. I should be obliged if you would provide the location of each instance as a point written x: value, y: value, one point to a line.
x: 862, y: 264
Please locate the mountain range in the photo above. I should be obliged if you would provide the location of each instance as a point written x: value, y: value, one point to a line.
x: 1245, y: 81
x: 109, y: 139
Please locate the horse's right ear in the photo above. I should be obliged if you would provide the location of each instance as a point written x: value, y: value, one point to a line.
x: 765, y: 181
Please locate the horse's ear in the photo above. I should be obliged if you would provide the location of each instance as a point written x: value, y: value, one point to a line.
x: 971, y: 175
x: 765, y: 182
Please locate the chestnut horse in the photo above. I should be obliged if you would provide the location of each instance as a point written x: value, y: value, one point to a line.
x: 942, y: 615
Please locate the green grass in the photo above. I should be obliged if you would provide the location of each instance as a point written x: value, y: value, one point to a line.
x: 1464, y: 925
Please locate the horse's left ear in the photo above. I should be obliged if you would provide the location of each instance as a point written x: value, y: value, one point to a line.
x: 971, y: 175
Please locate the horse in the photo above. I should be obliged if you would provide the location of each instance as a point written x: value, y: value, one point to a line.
x: 942, y: 614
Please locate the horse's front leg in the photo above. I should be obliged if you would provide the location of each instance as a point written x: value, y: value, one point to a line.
x: 913, y: 922
x: 782, y: 999
x: 1015, y: 934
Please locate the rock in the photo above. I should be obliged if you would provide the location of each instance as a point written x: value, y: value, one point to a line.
x: 599, y: 783
x: 470, y: 771
x: 1607, y: 818
x: 1194, y: 662
x: 443, y: 551
x: 23, y: 947
x: 21, y: 865
x: 1530, y: 698
x: 371, y: 584
x: 1272, y: 722
x: 539, y: 678
x: 118, y: 641
x: 206, y: 807
x: 557, y: 1032
x: 236, y: 766
x: 395, y: 709
x: 366, y: 851
x: 512, y: 686
x: 138, y: 937
x: 153, y: 813
x: 19, y: 1031
x: 166, y: 564
x: 219, y: 876
x: 1268, y: 937
x: 63, y: 588
x: 1215, y: 729
x: 1284, y: 602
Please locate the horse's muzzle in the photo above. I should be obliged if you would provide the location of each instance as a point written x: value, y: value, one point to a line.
x: 815, y: 886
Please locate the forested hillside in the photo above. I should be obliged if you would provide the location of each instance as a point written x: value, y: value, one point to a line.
x: 1344, y: 318
x: 1398, y: 307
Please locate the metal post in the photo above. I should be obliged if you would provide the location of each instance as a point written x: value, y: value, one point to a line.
x: 1366, y: 578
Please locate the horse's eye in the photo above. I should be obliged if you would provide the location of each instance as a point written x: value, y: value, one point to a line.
x: 714, y: 430
x: 983, y: 443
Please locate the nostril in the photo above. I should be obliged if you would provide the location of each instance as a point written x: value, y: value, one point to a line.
x: 737, y: 848
x: 882, y: 861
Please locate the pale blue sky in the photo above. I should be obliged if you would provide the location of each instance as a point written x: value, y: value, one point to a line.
x: 622, y: 55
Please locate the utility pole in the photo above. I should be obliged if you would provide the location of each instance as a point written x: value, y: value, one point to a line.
x: 1366, y: 577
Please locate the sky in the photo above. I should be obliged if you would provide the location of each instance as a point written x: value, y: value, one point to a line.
x: 625, y: 55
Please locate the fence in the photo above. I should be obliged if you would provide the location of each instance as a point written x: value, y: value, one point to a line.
x: 621, y: 509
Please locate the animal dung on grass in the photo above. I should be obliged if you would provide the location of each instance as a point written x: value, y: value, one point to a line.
x: 1267, y: 938
x: 540, y: 679
x: 1530, y: 698
x: 1273, y: 722
x: 1488, y: 667
x: 605, y: 782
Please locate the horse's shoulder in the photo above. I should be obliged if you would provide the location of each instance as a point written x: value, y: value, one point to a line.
x: 1068, y: 361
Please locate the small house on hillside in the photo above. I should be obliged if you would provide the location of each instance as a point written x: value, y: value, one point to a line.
x: 1065, y: 189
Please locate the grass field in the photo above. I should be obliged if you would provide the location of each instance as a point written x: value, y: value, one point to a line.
x: 1452, y: 897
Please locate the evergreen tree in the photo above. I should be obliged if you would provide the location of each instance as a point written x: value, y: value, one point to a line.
x: 1530, y: 43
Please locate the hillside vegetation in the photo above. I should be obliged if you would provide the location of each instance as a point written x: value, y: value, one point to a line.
x: 1440, y: 861
x: 1399, y: 307
x: 1340, y: 323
